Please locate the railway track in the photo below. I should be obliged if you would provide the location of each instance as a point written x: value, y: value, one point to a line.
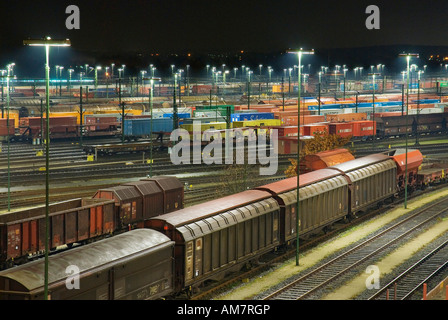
x: 408, y: 284
x: 313, y: 284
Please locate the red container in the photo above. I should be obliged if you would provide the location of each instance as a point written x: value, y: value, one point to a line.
x: 342, y: 129
x: 346, y: 117
x: 94, y: 123
x: 364, y: 128
x: 289, y: 131
x: 4, y: 127
x: 312, y: 129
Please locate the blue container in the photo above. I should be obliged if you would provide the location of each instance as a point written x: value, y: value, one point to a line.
x: 251, y: 116
x: 142, y: 127
x: 179, y: 115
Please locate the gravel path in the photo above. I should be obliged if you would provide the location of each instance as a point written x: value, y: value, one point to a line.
x: 313, y: 257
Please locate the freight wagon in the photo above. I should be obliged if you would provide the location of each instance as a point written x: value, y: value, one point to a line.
x: 220, y: 236
x: 135, y: 265
x: 22, y: 232
x: 110, y: 210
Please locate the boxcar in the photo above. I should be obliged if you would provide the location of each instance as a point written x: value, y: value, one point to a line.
x: 152, y: 197
x: 134, y: 265
x: 128, y: 204
x: 220, y: 235
x: 373, y: 178
x: 173, y: 192
x: 22, y: 232
x: 323, y: 200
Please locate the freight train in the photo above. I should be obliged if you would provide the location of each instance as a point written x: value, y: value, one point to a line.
x: 109, y: 211
x: 179, y: 251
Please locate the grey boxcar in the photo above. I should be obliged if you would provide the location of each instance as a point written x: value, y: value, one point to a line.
x: 216, y: 236
x: 134, y: 265
x: 373, y: 179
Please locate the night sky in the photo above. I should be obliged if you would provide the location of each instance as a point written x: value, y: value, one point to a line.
x: 115, y: 27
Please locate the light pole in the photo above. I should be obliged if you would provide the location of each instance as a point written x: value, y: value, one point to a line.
x: 408, y: 58
x: 299, y: 53
x: 417, y: 143
x: 151, y: 89
x: 96, y: 77
x: 47, y: 43
x: 8, y: 76
x: 373, y: 107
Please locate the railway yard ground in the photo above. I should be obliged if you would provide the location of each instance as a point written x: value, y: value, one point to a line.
x: 355, y: 288
x: 71, y: 175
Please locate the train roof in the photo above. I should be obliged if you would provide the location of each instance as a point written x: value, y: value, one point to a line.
x: 95, y: 256
x: 145, y: 187
x: 166, y: 182
x: 305, y: 179
x: 213, y: 207
x: 360, y: 162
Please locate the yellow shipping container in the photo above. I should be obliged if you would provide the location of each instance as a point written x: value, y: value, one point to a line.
x: 257, y: 123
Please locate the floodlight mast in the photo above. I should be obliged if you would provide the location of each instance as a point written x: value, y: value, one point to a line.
x: 373, y: 107
x: 47, y: 42
x: 408, y: 58
x: 299, y: 53
x: 151, y: 88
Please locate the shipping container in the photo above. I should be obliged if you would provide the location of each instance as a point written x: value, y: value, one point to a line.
x: 251, y: 116
x: 142, y: 127
x: 4, y: 127
x: 342, y: 129
x: 257, y: 123
x: 313, y: 129
x: 364, y: 128
x: 346, y: 117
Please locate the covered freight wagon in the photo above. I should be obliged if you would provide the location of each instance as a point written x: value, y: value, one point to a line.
x: 173, y: 192
x: 136, y: 265
x: 128, y: 203
x: 219, y: 236
x: 373, y: 179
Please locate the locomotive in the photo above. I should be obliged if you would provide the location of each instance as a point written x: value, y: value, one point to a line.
x: 179, y: 251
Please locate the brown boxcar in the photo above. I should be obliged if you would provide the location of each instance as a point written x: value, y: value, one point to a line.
x: 373, y: 178
x: 128, y: 204
x: 135, y: 265
x: 219, y: 235
x: 173, y: 191
x: 22, y: 232
x: 323, y: 201
x: 152, y: 196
